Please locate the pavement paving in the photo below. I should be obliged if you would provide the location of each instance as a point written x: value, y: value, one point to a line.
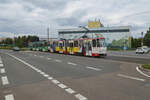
x: 49, y: 76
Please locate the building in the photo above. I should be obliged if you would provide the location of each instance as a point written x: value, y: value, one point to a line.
x: 95, y: 24
x: 116, y: 37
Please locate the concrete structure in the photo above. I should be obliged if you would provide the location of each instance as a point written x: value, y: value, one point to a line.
x: 115, y: 36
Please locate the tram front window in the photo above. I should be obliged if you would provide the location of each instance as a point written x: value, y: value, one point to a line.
x: 98, y: 43
x: 102, y: 43
x: 94, y: 43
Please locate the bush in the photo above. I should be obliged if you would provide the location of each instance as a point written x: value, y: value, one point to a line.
x: 146, y: 66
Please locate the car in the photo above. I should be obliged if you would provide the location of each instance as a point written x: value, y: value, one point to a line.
x: 142, y: 50
x: 16, y: 49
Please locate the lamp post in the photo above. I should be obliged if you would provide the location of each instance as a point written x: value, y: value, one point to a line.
x: 48, y: 34
x: 142, y: 39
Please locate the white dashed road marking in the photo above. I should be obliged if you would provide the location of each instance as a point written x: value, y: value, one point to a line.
x: 55, y: 81
x: 70, y: 63
x: 46, y: 75
x: 62, y: 86
x: 42, y: 73
x: 1, y: 61
x: 9, y: 97
x: 130, y: 77
x: 1, y: 65
x: 2, y: 70
x: 96, y: 69
x: 58, y: 60
x: 41, y: 56
x: 69, y: 90
x: 80, y: 97
x: 49, y: 58
x: 39, y: 71
x: 50, y: 78
x: 5, y: 80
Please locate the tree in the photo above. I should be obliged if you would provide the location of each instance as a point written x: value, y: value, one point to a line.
x: 147, y: 38
x: 8, y: 41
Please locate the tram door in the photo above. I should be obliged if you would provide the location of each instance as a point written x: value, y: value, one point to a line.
x: 88, y: 47
x: 71, y: 45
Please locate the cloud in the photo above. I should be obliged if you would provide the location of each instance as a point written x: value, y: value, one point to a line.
x: 34, y: 16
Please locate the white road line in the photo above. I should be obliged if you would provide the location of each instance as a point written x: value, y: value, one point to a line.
x: 62, y: 86
x: 96, y: 69
x: 69, y: 90
x: 55, y: 81
x: 5, y: 80
x: 49, y: 58
x: 9, y: 97
x: 80, y: 97
x: 39, y: 71
x: 50, y: 78
x: 41, y: 56
x: 42, y: 73
x: 34, y: 68
x: 70, y: 63
x: 35, y: 55
x: 1, y: 61
x: 1, y: 65
x: 46, y: 75
x: 137, y: 68
x: 2, y: 70
x: 134, y: 56
x: 58, y: 60
x: 21, y: 60
x: 130, y: 77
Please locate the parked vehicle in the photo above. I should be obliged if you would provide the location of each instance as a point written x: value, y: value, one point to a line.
x: 142, y: 50
x: 16, y: 49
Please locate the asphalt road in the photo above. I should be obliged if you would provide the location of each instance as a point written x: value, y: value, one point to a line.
x: 49, y: 76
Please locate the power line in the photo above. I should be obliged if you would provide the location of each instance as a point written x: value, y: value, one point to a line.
x: 139, y: 13
x: 134, y: 14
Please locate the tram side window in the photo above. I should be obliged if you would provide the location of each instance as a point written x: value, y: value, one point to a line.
x: 94, y: 43
x: 71, y: 44
x: 75, y: 43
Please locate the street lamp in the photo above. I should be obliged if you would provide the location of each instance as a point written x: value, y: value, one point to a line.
x: 142, y: 39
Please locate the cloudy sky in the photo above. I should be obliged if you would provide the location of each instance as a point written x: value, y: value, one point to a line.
x: 33, y: 16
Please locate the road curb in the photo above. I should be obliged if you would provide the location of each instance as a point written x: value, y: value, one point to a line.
x: 142, y: 72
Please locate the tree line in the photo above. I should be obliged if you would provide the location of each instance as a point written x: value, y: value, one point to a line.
x: 137, y: 42
x: 21, y: 41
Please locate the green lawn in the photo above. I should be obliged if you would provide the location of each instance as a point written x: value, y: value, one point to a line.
x: 146, y: 66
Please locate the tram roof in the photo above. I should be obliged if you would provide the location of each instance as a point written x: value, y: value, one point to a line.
x: 95, y: 30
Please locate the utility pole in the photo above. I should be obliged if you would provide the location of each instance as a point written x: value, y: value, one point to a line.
x: 48, y: 34
x: 14, y: 40
x: 142, y: 39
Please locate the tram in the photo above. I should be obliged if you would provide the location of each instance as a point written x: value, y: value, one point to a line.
x: 83, y: 46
